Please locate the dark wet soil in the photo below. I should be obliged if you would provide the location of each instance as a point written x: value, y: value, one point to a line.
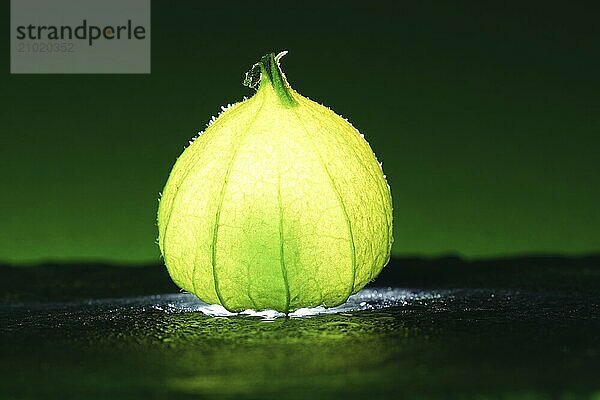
x: 509, y: 329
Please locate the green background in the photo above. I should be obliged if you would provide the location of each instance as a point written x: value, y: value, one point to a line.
x: 486, y: 119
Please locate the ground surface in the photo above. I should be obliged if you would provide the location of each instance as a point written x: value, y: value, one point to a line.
x: 507, y: 329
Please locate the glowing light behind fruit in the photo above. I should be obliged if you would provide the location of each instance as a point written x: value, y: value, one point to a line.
x: 487, y: 125
x: 279, y: 204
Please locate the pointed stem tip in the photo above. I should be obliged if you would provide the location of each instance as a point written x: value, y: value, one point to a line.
x: 268, y: 72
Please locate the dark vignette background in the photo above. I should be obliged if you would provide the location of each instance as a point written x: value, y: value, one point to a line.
x: 486, y: 118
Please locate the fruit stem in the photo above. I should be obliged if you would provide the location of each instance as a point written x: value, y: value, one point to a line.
x: 267, y: 71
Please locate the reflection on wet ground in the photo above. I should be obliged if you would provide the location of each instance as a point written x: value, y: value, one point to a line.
x: 382, y: 343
